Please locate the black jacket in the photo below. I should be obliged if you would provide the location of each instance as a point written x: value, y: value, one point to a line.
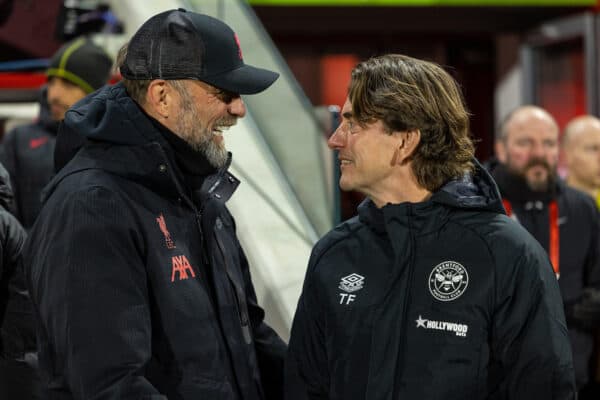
x: 141, y: 288
x: 27, y: 152
x: 579, y: 250
x: 444, y: 299
x: 17, y: 335
x: 18, y: 355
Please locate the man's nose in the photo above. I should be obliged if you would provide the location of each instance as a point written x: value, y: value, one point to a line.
x: 237, y: 107
x: 337, y: 139
x: 54, y: 92
x: 538, y: 150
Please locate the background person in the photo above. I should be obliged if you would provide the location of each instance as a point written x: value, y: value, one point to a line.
x: 19, y: 377
x: 563, y: 220
x: 78, y: 68
x: 581, y: 150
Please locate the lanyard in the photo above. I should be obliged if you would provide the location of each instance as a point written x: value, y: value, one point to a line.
x: 554, y: 232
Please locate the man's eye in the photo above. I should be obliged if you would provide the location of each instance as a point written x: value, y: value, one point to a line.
x: 226, y: 96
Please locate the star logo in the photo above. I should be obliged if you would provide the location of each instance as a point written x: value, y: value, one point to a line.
x: 421, y: 322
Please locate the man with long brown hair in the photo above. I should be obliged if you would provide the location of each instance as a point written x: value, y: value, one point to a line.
x: 431, y: 291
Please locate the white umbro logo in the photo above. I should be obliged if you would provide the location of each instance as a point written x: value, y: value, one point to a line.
x: 350, y: 284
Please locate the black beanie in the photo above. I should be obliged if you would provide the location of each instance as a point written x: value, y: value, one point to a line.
x: 82, y: 63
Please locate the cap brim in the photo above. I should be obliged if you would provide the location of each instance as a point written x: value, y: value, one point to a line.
x: 244, y: 80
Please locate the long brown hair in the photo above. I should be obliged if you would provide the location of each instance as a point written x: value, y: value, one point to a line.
x: 409, y: 94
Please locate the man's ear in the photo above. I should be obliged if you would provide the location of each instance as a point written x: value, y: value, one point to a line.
x: 407, y: 145
x: 158, y: 98
x: 500, y: 150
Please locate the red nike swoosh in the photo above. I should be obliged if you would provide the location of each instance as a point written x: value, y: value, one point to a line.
x: 37, y: 142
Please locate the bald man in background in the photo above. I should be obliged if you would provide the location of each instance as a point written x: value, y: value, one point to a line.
x: 564, y: 220
x: 581, y: 149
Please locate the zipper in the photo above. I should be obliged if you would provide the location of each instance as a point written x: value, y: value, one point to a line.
x: 178, y: 186
x: 405, y: 308
x: 238, y: 293
x: 204, y: 246
x: 204, y: 254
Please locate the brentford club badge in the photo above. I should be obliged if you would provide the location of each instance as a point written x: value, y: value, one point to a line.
x: 448, y: 281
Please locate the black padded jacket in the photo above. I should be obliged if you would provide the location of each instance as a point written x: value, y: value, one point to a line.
x: 141, y: 288
x: 444, y: 299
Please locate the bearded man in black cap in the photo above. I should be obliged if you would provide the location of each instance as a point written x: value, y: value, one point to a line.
x: 139, y: 283
x: 564, y: 220
x: 77, y: 69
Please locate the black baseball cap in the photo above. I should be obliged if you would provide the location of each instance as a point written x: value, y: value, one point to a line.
x: 180, y: 44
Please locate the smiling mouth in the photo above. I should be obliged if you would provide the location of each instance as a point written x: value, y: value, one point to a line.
x: 219, y: 131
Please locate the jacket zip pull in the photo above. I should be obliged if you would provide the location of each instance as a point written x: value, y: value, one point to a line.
x: 239, y: 296
x: 244, y: 320
x: 243, y: 313
x: 203, y: 243
x: 246, y: 332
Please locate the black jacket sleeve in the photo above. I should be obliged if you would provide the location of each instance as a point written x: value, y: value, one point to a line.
x: 306, y: 364
x: 94, y: 304
x: 270, y: 348
x: 9, y: 158
x: 529, y: 350
x: 585, y: 312
x: 17, y: 334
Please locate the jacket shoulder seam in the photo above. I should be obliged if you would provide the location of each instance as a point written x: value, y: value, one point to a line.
x: 326, y: 243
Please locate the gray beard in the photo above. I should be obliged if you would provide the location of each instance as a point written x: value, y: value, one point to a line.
x: 198, y: 137
x: 215, y: 155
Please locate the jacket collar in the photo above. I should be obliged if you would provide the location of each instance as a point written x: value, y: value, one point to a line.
x: 476, y: 192
x: 151, y: 164
x: 123, y: 141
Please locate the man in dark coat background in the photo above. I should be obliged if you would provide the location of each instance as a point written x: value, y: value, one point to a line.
x: 77, y: 69
x: 19, y: 377
x: 565, y: 221
x: 140, y: 286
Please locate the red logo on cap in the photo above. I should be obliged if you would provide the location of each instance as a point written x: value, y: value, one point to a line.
x: 237, y: 41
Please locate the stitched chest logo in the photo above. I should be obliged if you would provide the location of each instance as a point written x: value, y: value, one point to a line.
x: 457, y: 328
x: 181, y: 266
x: 448, y: 281
x: 350, y: 284
x: 37, y: 142
x: 162, y: 224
